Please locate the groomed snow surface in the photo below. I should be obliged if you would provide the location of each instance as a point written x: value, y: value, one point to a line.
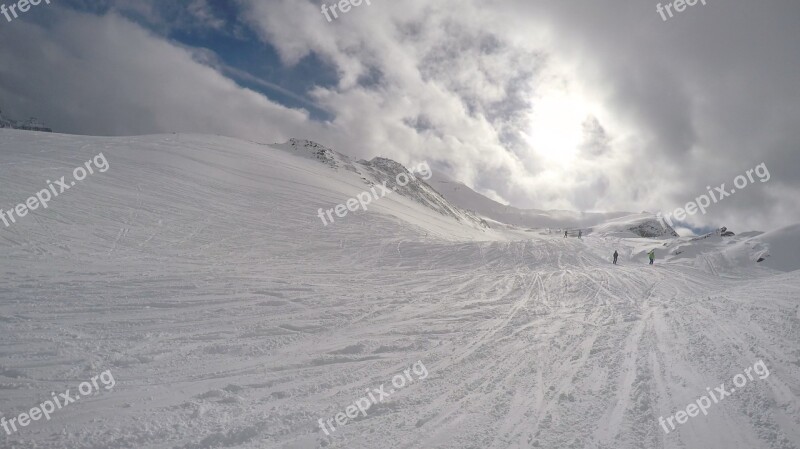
x: 197, y: 270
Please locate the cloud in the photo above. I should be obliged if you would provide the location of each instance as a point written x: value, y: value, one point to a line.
x: 201, y: 11
x: 415, y: 82
x: 108, y: 76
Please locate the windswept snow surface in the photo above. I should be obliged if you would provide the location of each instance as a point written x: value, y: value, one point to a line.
x: 779, y: 249
x: 197, y: 271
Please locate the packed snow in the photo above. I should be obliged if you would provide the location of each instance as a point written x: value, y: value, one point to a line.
x: 197, y: 271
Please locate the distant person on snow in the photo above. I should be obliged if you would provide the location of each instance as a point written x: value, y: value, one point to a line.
x: 652, y: 255
x: 580, y: 233
x: 565, y: 234
x: 616, y: 254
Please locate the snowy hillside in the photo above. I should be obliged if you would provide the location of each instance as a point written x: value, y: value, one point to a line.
x: 197, y: 270
x: 381, y: 170
x: 637, y: 225
x: 778, y: 249
x: 463, y: 196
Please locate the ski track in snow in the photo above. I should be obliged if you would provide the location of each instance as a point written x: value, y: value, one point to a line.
x: 230, y: 317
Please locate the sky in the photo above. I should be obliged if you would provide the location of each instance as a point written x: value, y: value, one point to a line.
x: 577, y: 105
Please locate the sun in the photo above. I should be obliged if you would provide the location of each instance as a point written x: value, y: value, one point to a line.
x: 556, y: 126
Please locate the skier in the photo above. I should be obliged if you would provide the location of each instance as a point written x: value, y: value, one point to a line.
x: 652, y: 255
x: 616, y: 254
x: 580, y: 233
x: 565, y: 233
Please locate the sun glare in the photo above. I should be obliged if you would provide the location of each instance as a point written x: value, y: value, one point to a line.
x: 556, y: 128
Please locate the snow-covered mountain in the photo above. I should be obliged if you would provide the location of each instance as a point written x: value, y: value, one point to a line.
x: 380, y: 171
x: 197, y: 271
x: 778, y: 249
x: 643, y: 224
x: 32, y: 124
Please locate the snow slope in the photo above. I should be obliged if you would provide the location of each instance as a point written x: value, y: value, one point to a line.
x: 778, y: 249
x: 463, y: 196
x: 197, y: 270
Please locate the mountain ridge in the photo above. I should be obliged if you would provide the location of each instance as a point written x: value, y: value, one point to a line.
x: 32, y: 124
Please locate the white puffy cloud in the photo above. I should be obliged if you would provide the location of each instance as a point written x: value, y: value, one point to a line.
x: 108, y: 76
